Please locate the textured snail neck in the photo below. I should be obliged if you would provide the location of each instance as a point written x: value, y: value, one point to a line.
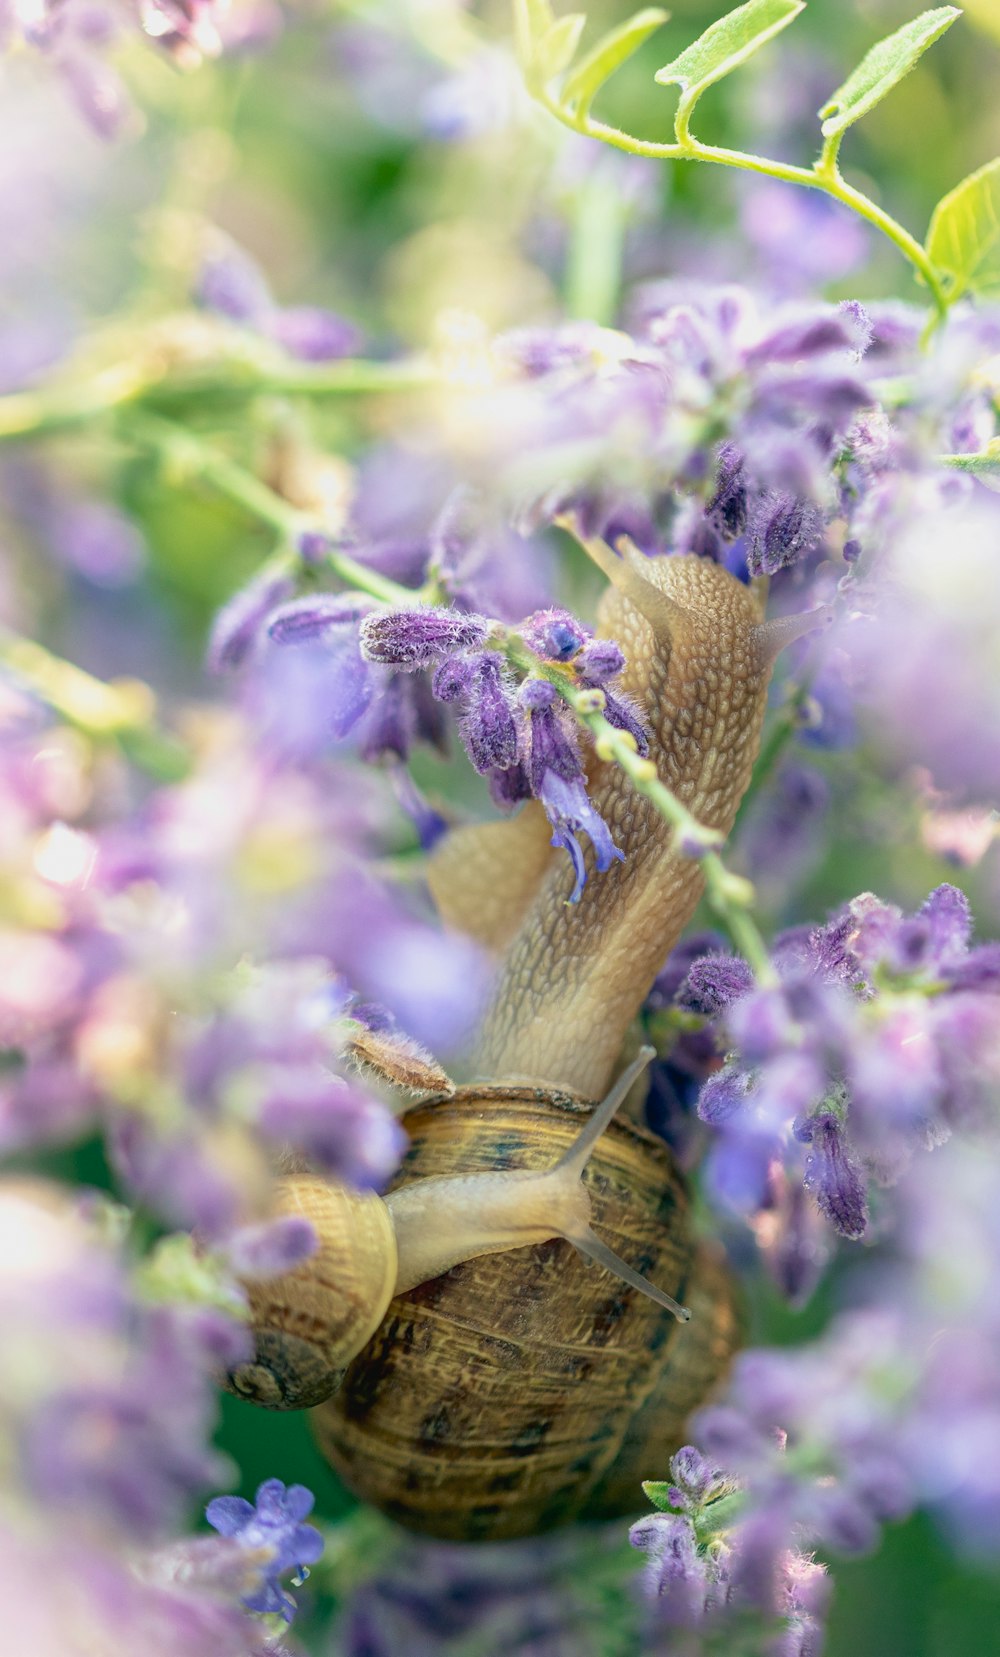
x: 576, y: 974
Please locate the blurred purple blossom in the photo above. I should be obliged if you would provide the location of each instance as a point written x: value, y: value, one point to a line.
x: 273, y: 1524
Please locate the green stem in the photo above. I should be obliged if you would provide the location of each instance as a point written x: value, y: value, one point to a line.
x: 593, y: 269
x: 121, y: 712
x: 824, y: 176
x: 29, y: 414
x: 196, y: 458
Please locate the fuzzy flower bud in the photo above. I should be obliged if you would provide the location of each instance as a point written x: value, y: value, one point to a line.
x: 410, y: 639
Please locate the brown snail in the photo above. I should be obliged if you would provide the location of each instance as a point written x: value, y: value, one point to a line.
x: 474, y: 1379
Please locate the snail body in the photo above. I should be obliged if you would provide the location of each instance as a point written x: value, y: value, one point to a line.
x: 495, y: 1382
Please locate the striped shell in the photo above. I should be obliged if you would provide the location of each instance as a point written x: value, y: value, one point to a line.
x: 309, y: 1322
x: 525, y: 1390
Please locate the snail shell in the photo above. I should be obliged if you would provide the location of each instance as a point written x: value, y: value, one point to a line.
x: 521, y: 1391
x: 309, y: 1322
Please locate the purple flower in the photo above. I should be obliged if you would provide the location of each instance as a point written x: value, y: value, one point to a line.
x: 780, y: 531
x: 273, y: 1524
x: 676, y: 1572
x: 271, y: 1248
x: 713, y: 982
x: 231, y: 284
x: 554, y: 635
x: 334, y: 1122
x: 556, y: 777
x: 488, y: 725
x: 727, y: 507
x: 239, y: 625
x: 412, y: 639
x: 305, y: 619
x: 312, y: 334
x: 833, y: 1175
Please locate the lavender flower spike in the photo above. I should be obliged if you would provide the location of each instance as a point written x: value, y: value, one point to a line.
x: 411, y: 639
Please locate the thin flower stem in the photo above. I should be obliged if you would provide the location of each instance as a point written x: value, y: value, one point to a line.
x: 193, y: 457
x: 825, y: 176
x: 66, y: 403
x: 123, y: 711
x: 730, y: 895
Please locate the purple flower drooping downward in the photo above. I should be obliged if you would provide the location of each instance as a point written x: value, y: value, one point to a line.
x: 557, y: 780
x: 273, y: 1525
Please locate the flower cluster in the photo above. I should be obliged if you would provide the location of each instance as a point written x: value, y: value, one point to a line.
x: 177, y: 976
x: 108, y: 1403
x: 879, y: 1037
x: 708, y: 1570
x: 384, y: 673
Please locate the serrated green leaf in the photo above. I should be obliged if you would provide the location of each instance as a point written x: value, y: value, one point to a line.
x: 727, y: 44
x: 659, y: 1494
x: 610, y: 52
x: 963, y: 241
x: 883, y: 67
x: 556, y: 50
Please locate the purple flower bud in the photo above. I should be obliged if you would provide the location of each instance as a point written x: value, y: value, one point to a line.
x: 554, y: 634
x: 537, y: 693
x: 488, y: 727
x: 347, y: 1132
x: 305, y: 619
x: 239, y: 624
x: 273, y: 1248
x: 231, y: 284
x: 832, y: 1174
x: 860, y: 324
x: 724, y: 1095
x: 313, y: 546
x: 600, y: 660
x: 411, y: 639
x: 312, y: 334
x: 713, y: 982
x: 453, y: 678
x: 697, y: 841
x: 622, y: 712
x: 728, y: 505
x: 780, y: 530
x: 692, y: 1472
x: 676, y: 1572
x: 949, y: 917
x: 389, y: 730
x: 810, y: 335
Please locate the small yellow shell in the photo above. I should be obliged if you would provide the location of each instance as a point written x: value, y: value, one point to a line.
x: 311, y: 1322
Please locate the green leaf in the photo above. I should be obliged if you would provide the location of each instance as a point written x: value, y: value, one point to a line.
x: 610, y: 52
x: 659, y: 1494
x: 533, y: 20
x: 727, y: 44
x: 555, y: 51
x: 964, y: 236
x: 883, y: 67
